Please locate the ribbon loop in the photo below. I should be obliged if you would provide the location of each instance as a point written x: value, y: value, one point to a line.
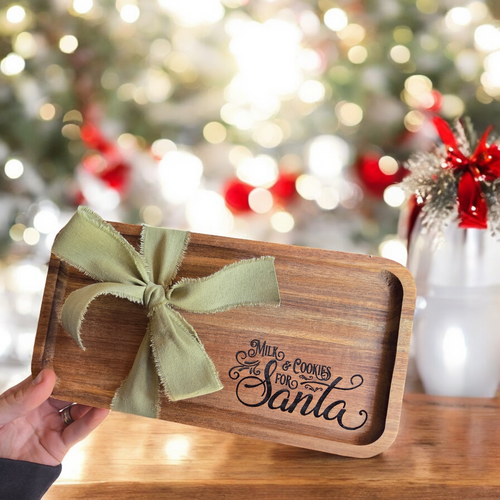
x: 171, y: 350
x: 482, y: 165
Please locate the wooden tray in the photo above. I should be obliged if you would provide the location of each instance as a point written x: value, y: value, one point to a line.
x: 341, y: 315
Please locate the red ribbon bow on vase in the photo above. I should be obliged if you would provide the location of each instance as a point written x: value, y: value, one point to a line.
x: 482, y: 166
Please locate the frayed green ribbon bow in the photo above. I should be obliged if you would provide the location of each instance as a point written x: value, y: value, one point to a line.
x: 171, y: 351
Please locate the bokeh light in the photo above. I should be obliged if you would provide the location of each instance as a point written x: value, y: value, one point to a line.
x: 68, y: 44
x: 12, y: 64
x: 261, y: 171
x: 14, y: 168
x: 282, y: 221
x: 327, y: 155
x: 82, y: 6
x: 336, y: 19
x: 15, y: 14
x: 180, y: 175
x: 25, y: 45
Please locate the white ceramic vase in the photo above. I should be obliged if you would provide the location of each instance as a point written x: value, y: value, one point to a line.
x: 457, y: 322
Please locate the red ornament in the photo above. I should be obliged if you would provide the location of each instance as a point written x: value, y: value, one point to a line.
x: 482, y: 165
x: 284, y: 188
x: 92, y: 137
x: 109, y: 165
x: 79, y: 198
x: 374, y: 180
x: 117, y: 177
x: 236, y: 195
x: 438, y: 101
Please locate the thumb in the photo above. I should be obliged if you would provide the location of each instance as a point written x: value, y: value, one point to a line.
x: 26, y: 396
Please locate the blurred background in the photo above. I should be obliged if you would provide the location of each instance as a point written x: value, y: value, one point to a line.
x: 279, y: 120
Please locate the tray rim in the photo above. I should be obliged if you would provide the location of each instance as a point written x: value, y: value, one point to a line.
x: 43, y: 356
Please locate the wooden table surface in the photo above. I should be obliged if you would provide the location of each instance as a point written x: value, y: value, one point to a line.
x: 446, y: 448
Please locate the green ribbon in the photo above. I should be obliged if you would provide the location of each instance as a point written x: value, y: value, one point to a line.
x: 171, y: 352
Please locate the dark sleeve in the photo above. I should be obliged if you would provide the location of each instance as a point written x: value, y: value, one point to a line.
x: 25, y: 480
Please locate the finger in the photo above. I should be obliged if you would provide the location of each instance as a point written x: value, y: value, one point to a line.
x: 26, y: 396
x: 58, y: 404
x: 82, y: 427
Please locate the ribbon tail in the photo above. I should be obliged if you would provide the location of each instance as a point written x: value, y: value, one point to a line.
x: 482, y: 146
x: 183, y: 365
x: 445, y: 132
x: 249, y: 282
x: 140, y: 391
x: 76, y: 305
x: 472, y: 208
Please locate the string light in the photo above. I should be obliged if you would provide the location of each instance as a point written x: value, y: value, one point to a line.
x: 427, y: 6
x: 487, y: 38
x: 458, y: 17
x: 282, y: 222
x: 180, y: 175
x: 336, y: 19
x: 267, y: 58
x: 400, y: 54
x: 16, y: 232
x: 311, y: 91
x: 329, y: 198
x: 349, y: 113
x: 12, y: 64
x: 190, y: 13
x: 127, y: 141
x: 15, y: 14
x: 25, y: 45
x: 260, y: 200
x: 31, y: 236
x: 14, y: 168
x: 151, y: 215
x: 402, y: 34
x: 269, y: 135
x: 452, y: 106
x: 130, y: 13
x: 418, y: 91
x: 310, y: 60
x: 308, y: 186
x: 357, y: 54
x: 327, y: 155
x: 414, y: 120
x: 207, y: 212
x: 394, y: 249
x: 68, y: 44
x: 394, y: 196
x: 388, y: 165
x: 214, y: 132
x: 47, y: 111
x: 261, y: 171
x: 46, y: 221
x: 82, y: 6
x: 352, y: 34
x: 161, y: 147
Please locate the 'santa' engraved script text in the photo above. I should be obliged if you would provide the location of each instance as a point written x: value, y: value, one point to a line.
x: 265, y: 385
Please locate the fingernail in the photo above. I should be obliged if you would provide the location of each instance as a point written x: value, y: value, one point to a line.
x: 38, y: 379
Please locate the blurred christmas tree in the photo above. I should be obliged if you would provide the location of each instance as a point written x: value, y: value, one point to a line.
x: 281, y: 120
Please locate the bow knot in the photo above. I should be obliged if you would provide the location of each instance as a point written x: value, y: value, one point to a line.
x: 482, y: 166
x: 154, y: 296
x: 170, y: 352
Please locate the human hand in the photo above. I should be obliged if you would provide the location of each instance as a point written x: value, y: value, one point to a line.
x: 31, y: 427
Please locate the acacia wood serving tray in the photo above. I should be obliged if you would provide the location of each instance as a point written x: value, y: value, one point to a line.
x: 325, y: 370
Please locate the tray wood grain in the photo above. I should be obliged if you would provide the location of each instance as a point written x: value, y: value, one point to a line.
x: 350, y: 314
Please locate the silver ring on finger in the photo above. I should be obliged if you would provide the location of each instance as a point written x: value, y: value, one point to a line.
x: 66, y: 415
